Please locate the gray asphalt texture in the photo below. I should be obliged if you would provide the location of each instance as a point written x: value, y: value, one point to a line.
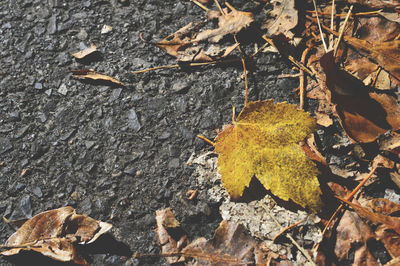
x: 116, y: 154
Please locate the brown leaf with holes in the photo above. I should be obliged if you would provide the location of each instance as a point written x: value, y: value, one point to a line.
x: 90, y: 74
x: 364, y: 115
x: 170, y: 236
x: 54, y: 234
x: 85, y: 52
x: 230, y: 245
x: 281, y: 18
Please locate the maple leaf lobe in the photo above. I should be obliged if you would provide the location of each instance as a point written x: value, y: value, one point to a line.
x: 262, y: 142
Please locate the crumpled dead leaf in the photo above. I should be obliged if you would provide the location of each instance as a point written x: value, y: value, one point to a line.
x: 93, y: 75
x: 385, y: 53
x: 229, y: 23
x: 230, y: 245
x: 85, y: 52
x: 54, y: 234
x: 184, y: 43
x: 364, y: 115
x: 171, y: 237
x: 281, y: 19
x: 388, y: 222
x: 389, y: 228
x: 352, y: 232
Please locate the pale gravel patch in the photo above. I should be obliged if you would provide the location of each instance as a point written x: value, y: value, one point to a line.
x: 252, y: 214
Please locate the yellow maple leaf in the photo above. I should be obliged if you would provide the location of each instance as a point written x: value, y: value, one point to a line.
x: 263, y: 142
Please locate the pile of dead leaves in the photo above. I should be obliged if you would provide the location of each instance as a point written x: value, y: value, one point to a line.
x: 348, y: 59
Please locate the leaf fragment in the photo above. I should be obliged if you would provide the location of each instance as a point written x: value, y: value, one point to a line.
x: 85, y: 52
x: 93, y: 75
x: 171, y: 237
x: 263, y: 142
x: 230, y: 245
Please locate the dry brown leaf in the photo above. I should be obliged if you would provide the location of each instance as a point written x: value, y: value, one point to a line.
x: 85, y: 52
x: 54, y: 233
x: 390, y: 240
x: 385, y: 53
x: 93, y: 75
x: 376, y: 3
x: 230, y: 245
x: 281, y: 19
x: 384, y: 206
x: 351, y: 233
x: 364, y: 115
x: 392, y: 16
x: 323, y: 119
x: 176, y: 43
x: 184, y: 43
x: 387, y: 222
x: 388, y: 231
x: 230, y: 23
x: 390, y: 142
x: 171, y: 237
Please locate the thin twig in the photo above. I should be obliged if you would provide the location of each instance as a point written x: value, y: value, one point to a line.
x: 291, y: 58
x: 344, y: 15
x: 287, y: 229
x: 342, y: 31
x: 244, y: 71
x: 302, y: 77
x: 190, y: 65
x: 332, y: 20
x: 349, y: 197
x: 212, y: 257
x: 376, y: 77
x: 219, y: 7
x: 281, y: 76
x: 319, y: 26
x: 305, y: 253
x: 206, y: 140
x: 200, y: 5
